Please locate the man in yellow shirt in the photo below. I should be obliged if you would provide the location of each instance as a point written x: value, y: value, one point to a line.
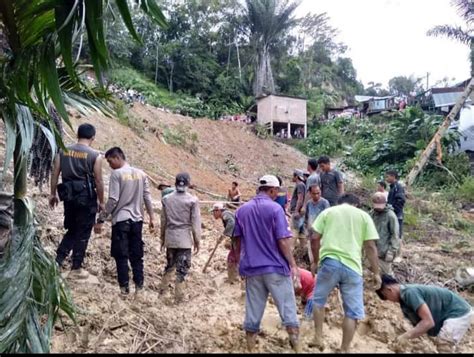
x: 340, y: 234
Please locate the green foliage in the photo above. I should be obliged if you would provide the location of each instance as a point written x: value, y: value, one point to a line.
x: 182, y: 136
x: 176, y: 102
x: 390, y: 141
x: 325, y: 140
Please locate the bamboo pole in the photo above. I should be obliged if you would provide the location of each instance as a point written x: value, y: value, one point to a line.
x: 420, y: 164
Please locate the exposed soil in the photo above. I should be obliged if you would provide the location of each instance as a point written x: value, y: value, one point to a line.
x: 211, y: 317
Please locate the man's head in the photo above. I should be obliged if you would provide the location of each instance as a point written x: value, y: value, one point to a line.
x: 218, y: 209
x: 315, y: 192
x: 298, y: 176
x: 391, y: 176
x: 312, y: 165
x: 390, y: 289
x: 270, y: 185
x: 115, y: 157
x: 163, y: 186
x: 235, y: 185
x: 324, y: 163
x: 350, y: 199
x: 86, y: 132
x: 381, y: 186
x: 183, y: 180
x: 379, y: 201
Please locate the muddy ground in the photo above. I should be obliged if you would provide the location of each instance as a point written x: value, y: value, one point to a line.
x: 210, y: 319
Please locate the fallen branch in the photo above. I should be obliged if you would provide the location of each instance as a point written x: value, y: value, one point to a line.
x: 423, y: 159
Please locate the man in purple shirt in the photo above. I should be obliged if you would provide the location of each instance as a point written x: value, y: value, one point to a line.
x: 263, y: 242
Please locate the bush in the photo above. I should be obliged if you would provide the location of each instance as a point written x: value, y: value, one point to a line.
x: 325, y: 140
x: 466, y: 190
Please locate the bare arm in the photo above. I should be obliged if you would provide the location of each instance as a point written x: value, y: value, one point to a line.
x: 55, y: 175
x: 299, y: 203
x: 162, y: 226
x: 315, y: 246
x: 148, y: 204
x: 196, y: 225
x: 340, y: 188
x: 285, y: 248
x: 372, y: 254
x: 53, y: 199
x: 424, y: 325
x: 99, y: 181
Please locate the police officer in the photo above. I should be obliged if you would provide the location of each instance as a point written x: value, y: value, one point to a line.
x: 82, y: 191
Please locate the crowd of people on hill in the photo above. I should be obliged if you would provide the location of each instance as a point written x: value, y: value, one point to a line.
x: 319, y: 217
x: 128, y: 96
x: 241, y: 118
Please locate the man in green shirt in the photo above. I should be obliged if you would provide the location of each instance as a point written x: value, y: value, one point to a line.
x: 431, y: 310
x: 387, y: 226
x: 340, y: 234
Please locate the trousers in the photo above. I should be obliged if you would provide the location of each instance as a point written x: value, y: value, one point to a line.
x: 79, y: 221
x: 127, y: 245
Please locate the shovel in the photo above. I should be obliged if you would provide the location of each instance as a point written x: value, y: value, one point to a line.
x: 212, y: 254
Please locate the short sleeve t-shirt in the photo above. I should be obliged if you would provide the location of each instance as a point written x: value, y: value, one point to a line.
x: 329, y: 182
x: 260, y: 223
x: 442, y: 302
x: 307, y: 283
x: 299, y: 189
x: 229, y: 223
x: 314, y: 209
x: 344, y: 229
x: 313, y: 180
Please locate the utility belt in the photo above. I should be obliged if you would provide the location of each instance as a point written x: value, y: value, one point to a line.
x: 81, y: 192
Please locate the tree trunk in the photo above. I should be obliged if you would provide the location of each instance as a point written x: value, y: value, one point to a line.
x: 420, y: 164
x: 20, y: 184
x: 238, y: 60
x: 156, y: 65
x: 264, y: 73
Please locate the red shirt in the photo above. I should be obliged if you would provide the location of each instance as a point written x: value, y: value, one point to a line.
x: 307, y: 283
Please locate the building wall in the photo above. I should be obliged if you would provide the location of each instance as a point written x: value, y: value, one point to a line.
x: 282, y: 110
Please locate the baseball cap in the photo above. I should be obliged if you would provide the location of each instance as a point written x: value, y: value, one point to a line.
x: 378, y: 200
x: 218, y: 206
x: 299, y: 173
x: 182, y: 181
x: 268, y: 181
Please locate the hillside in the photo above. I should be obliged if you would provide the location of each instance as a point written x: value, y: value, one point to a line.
x: 216, y: 153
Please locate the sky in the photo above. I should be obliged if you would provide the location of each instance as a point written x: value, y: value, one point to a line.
x: 387, y: 38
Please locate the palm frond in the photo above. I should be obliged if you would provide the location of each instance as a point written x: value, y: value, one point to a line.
x: 465, y: 9
x: 452, y: 32
x: 33, y: 292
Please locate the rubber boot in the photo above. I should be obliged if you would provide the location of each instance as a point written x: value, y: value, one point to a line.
x: 179, y: 292
x: 165, y: 282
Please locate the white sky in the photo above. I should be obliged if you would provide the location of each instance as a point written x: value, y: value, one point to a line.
x: 387, y: 38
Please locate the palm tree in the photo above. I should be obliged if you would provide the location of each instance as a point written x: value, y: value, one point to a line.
x: 267, y: 21
x: 465, y: 9
x: 38, y: 72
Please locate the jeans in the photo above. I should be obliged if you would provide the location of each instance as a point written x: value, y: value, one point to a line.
x: 400, y: 225
x: 281, y: 289
x: 182, y: 259
x: 127, y: 244
x: 333, y: 273
x: 79, y: 221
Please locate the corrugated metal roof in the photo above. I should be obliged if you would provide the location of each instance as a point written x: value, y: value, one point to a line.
x: 366, y: 98
x: 446, y: 99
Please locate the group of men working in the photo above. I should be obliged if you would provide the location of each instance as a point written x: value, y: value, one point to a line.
x: 82, y: 191
x: 261, y: 244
